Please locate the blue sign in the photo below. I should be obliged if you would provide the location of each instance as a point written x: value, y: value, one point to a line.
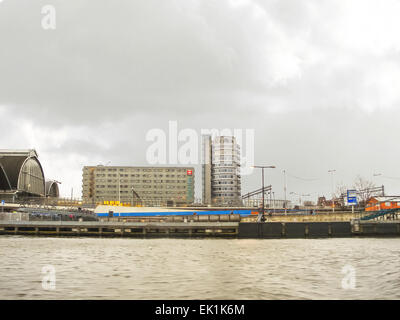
x: 3, y: 202
x: 352, y: 197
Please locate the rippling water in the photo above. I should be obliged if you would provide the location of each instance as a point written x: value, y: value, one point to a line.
x: 95, y: 268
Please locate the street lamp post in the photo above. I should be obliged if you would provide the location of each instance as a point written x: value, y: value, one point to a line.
x: 285, y: 189
x: 273, y: 203
x: 380, y: 175
x: 333, y: 187
x: 119, y: 189
x: 261, y: 216
x: 119, y: 194
x: 270, y: 200
x: 377, y: 174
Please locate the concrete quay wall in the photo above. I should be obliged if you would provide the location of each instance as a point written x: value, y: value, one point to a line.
x: 269, y: 230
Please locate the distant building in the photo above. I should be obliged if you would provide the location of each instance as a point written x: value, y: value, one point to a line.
x: 221, y: 171
x: 150, y: 186
x: 22, y: 176
x: 268, y: 203
x: 52, y: 190
x: 323, y: 202
x: 206, y: 169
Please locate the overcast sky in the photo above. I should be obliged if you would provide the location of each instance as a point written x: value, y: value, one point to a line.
x: 318, y: 81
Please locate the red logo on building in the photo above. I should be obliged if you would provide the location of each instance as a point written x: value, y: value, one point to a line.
x: 189, y: 172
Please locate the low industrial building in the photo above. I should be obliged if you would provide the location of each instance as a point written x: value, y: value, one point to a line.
x: 383, y: 203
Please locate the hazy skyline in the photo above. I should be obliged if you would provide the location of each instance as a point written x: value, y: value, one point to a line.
x: 318, y: 81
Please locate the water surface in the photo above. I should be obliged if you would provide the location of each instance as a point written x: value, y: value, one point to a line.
x: 115, y: 268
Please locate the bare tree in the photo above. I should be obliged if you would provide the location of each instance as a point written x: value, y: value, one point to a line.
x: 341, y: 189
x: 340, y: 193
x: 363, y: 186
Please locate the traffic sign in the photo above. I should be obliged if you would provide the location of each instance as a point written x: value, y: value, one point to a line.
x: 352, y: 197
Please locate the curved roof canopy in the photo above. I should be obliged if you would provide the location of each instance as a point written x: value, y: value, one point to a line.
x: 52, y: 189
x: 20, y: 170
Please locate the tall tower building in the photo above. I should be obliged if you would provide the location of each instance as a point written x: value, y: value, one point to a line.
x: 221, y: 171
x: 206, y: 169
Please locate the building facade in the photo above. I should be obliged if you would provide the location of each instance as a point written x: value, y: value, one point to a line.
x: 221, y: 171
x: 149, y: 186
x: 206, y: 169
x: 22, y: 177
x: 383, y: 203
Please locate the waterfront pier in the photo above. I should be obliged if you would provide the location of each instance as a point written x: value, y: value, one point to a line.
x: 120, y: 229
x: 269, y: 230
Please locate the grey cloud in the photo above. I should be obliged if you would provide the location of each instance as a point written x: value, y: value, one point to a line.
x: 299, y: 73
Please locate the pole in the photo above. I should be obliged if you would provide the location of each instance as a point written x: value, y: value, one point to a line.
x: 261, y: 217
x: 119, y: 195
x: 273, y: 203
x: 270, y: 200
x: 285, y: 189
x: 119, y: 189
x: 263, y: 196
x: 333, y: 195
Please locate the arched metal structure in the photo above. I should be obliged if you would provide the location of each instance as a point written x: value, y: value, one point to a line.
x: 4, y: 181
x: 21, y: 173
x: 52, y: 189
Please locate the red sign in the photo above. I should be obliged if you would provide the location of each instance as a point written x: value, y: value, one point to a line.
x: 189, y: 172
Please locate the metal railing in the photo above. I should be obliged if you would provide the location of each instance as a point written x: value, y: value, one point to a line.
x: 381, y: 213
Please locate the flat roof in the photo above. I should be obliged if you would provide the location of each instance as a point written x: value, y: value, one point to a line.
x: 138, y: 167
x: 387, y: 198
